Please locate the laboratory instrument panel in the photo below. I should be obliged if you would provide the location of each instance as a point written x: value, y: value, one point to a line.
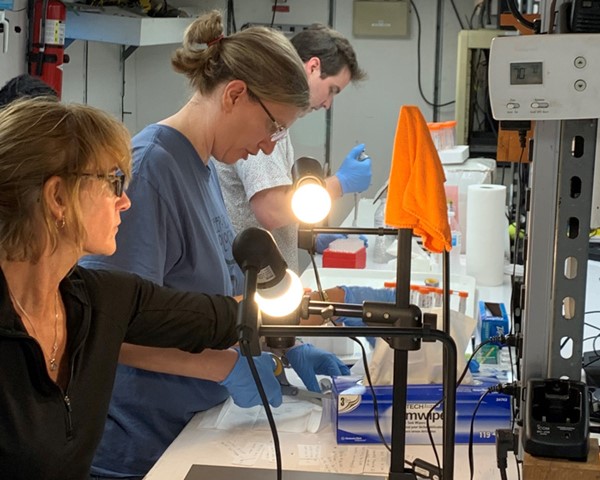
x: 545, y: 77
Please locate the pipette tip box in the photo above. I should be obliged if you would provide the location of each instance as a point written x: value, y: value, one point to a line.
x: 345, y: 253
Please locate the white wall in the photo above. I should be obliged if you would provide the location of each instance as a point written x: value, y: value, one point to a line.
x: 369, y: 113
x: 366, y: 113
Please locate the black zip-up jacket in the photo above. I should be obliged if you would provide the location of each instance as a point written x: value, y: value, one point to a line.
x: 47, y: 433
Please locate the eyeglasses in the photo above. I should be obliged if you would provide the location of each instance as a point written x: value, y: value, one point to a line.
x: 280, y: 131
x: 117, y: 182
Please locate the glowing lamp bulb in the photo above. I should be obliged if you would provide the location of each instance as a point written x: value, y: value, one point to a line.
x: 311, y: 203
x: 281, y: 299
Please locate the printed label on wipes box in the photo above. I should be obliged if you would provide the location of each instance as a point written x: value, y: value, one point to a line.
x: 416, y: 418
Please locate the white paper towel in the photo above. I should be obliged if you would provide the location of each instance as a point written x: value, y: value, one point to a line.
x: 486, y: 229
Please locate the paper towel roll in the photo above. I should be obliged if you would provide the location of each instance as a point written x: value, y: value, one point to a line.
x: 486, y: 229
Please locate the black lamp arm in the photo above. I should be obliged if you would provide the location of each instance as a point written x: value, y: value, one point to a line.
x: 372, y: 314
x: 306, y: 235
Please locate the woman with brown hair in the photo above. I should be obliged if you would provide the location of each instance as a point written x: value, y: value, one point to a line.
x: 248, y: 88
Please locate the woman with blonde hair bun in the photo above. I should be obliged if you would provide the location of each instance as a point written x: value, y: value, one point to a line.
x: 248, y: 88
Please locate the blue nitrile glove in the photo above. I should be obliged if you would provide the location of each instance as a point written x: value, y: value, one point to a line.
x: 324, y: 239
x: 354, y: 174
x: 309, y: 361
x: 241, y: 386
x: 354, y: 294
x: 358, y: 295
x: 473, y: 366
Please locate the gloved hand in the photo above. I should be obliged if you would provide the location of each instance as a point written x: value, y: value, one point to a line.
x: 324, y: 239
x: 241, y: 386
x: 354, y: 174
x: 355, y: 294
x: 358, y: 295
x: 309, y: 361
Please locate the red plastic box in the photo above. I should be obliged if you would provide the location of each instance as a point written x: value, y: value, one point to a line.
x: 337, y: 259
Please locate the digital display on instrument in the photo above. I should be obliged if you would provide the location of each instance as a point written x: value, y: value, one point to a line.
x: 526, y: 73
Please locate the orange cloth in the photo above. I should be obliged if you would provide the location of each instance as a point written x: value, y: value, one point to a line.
x: 416, y: 198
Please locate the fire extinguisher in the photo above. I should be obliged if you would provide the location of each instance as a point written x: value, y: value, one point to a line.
x: 47, y: 53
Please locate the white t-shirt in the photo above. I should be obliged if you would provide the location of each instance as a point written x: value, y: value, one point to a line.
x: 242, y: 180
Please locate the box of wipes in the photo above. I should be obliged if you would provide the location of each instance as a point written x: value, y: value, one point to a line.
x: 354, y: 419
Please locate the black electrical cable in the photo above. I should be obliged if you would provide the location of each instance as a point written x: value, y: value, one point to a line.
x: 586, y: 339
x: 552, y: 21
x: 503, y: 474
x: 317, y: 276
x: 471, y: 429
x: 480, y: 115
x: 596, y: 352
x: 482, y: 11
x: 430, y: 433
x: 374, y: 396
x: 42, y: 39
x: 517, y: 240
x: 458, y: 382
x: 370, y: 383
x: 488, y: 116
x: 419, y: 83
x: 274, y: 7
x: 231, y: 23
x: 245, y: 349
x: 364, y: 361
x: 475, y: 8
x: 518, y: 466
x: 372, y: 390
x: 462, y: 27
x: 466, y: 369
x: 513, y: 281
x: 514, y: 9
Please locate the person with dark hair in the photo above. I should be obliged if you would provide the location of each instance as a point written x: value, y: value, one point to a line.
x: 326, y: 53
x: 258, y: 190
x: 249, y: 87
x: 63, y: 172
x: 25, y: 86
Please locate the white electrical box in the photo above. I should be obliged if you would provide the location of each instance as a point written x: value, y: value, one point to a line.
x: 545, y: 77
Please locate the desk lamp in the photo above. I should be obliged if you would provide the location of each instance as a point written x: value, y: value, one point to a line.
x: 400, y: 324
x: 310, y: 201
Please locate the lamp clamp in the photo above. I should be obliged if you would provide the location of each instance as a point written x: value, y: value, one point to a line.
x: 385, y: 314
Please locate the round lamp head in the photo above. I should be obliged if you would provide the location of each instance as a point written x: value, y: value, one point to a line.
x: 311, y: 203
x: 283, y: 298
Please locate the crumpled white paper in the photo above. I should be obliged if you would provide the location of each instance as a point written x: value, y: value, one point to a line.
x: 294, y: 416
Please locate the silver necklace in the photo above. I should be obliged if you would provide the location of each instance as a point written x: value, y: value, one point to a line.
x: 53, y: 364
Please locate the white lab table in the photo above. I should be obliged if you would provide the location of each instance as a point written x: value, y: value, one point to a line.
x: 228, y: 452
x: 240, y: 452
x: 305, y: 452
